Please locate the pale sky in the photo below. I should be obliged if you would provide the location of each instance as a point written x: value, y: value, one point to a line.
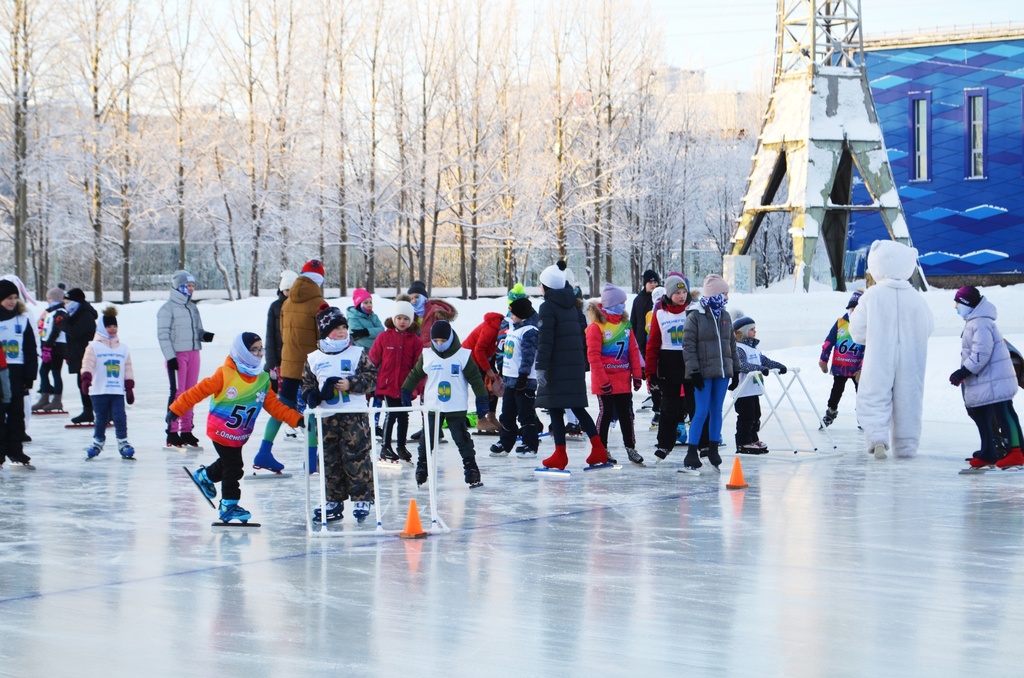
x: 733, y: 40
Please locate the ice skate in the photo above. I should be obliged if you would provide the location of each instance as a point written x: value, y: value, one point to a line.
x: 44, y: 400
x: 661, y: 453
x: 404, y: 454
x: 388, y: 456
x: 94, y: 449
x: 190, y: 442
x: 1013, y: 459
x: 125, y: 449
x: 691, y: 463
x: 634, y: 456
x: 83, y: 420
x: 524, y: 452
x: 879, y: 451
x: 599, y: 457
x: 54, y: 407
x: 334, y: 512
x: 173, y: 441
x: 830, y: 416
x: 20, y: 460
x: 203, y: 482
x: 265, y: 459
x: 421, y: 473
x: 574, y: 430
x: 230, y: 510
x: 361, y: 510
x: 554, y: 466
x: 488, y: 425
x: 713, y: 457
x: 472, y: 474
x: 655, y: 421
x: 498, y: 452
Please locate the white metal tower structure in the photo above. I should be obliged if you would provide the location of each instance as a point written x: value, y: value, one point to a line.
x: 820, y: 123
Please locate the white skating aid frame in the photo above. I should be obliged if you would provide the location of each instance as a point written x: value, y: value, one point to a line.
x: 437, y: 524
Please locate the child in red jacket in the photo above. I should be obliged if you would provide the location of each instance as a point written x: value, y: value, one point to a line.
x: 483, y: 343
x: 395, y: 352
x: 614, y: 363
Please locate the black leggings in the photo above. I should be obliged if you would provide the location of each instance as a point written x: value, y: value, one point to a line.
x: 227, y: 470
x: 620, y: 405
x: 558, y: 423
x: 838, y: 386
x: 389, y: 422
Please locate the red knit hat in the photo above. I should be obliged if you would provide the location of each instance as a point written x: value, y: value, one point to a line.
x: 313, y: 266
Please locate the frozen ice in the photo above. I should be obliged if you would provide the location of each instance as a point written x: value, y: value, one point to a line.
x: 828, y: 564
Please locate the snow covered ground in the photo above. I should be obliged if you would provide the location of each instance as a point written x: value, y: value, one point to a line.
x: 830, y: 563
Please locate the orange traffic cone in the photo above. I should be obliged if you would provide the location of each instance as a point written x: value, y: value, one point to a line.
x: 413, y: 527
x: 736, y: 481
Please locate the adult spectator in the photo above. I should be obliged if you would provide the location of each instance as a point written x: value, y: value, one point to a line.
x: 428, y: 311
x: 272, y: 344
x: 81, y: 328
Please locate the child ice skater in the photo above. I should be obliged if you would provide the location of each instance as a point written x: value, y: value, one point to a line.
x: 614, y: 366
x: 18, y: 341
x: 748, y: 403
x: 847, y: 358
x: 395, y: 352
x: 665, y: 368
x: 519, y: 375
x: 987, y: 380
x: 450, y: 372
x: 337, y: 377
x: 53, y: 343
x: 238, y: 390
x: 108, y: 377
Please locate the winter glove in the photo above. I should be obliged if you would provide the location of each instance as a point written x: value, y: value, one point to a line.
x: 823, y: 365
x: 521, y: 383
x: 329, y: 388
x: 5, y: 386
x: 783, y: 369
x: 765, y: 371
x: 542, y: 378
x: 653, y: 384
x: 359, y: 334
x: 960, y: 376
x: 129, y: 391
x: 734, y: 384
x: 637, y: 383
x: 46, y: 354
x: 275, y: 374
x: 172, y: 365
x: 86, y: 382
x: 697, y: 381
x: 483, y: 406
x: 302, y: 423
x: 207, y: 337
x: 406, y: 398
x: 312, y: 398
x: 606, y: 389
x: 171, y: 416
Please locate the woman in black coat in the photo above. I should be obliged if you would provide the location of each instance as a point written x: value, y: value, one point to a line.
x: 562, y: 366
x: 80, y: 331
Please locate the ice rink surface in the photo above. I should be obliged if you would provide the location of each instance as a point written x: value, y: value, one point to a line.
x: 833, y: 564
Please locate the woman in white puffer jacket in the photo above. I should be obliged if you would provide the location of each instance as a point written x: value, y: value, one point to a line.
x: 987, y: 379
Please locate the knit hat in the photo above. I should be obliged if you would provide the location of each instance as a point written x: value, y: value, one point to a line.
x: 854, y: 299
x: 650, y: 275
x: 675, y: 282
x: 570, y: 277
x: 314, y: 266
x: 76, y: 294
x: 553, y: 277
x: 248, y: 339
x: 517, y: 292
x: 968, y: 296
x: 404, y: 308
x: 288, y: 278
x: 329, y: 317
x: 714, y: 285
x: 417, y: 287
x: 7, y: 288
x: 54, y: 295
x: 743, y: 323
x: 522, y: 308
x: 612, y: 295
x: 109, y: 317
x: 181, y: 278
x: 359, y: 295
x: 441, y: 329
x: 657, y: 294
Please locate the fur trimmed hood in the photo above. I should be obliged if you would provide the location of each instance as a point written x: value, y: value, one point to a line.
x: 890, y: 260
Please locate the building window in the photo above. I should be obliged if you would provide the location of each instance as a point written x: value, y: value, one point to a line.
x: 975, y: 132
x: 920, y: 136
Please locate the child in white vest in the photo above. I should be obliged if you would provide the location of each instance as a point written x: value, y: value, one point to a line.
x: 108, y: 379
x: 748, y: 403
x: 337, y: 377
x: 450, y: 372
x: 519, y: 376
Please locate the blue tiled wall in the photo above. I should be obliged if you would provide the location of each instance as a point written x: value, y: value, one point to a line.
x: 960, y: 226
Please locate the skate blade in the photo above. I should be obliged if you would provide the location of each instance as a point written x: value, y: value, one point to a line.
x: 526, y: 456
x: 220, y: 523
x: 551, y: 473
x: 200, y: 488
x: 972, y: 471
x: 383, y: 465
x: 181, y: 448
x: 691, y: 472
x: 22, y: 465
x: 269, y: 475
x: 475, y: 485
x: 601, y: 467
x: 46, y: 412
x: 89, y: 425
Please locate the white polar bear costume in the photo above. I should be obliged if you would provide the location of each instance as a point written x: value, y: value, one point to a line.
x: 893, y: 322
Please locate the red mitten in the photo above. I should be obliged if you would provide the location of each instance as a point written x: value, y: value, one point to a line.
x: 86, y: 382
x: 129, y: 391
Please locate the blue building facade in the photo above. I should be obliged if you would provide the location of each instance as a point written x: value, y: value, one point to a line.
x: 952, y: 112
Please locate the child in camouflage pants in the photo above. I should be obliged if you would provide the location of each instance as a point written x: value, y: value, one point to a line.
x: 335, y: 378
